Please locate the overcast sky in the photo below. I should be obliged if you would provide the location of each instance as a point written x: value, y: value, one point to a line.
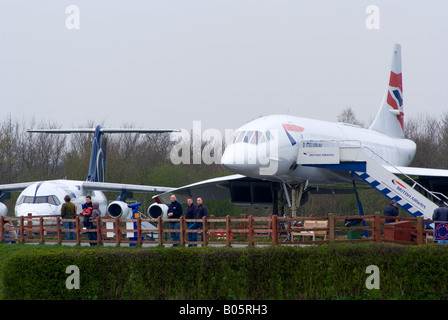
x: 167, y: 63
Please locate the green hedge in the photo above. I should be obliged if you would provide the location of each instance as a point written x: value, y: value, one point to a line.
x: 315, y: 272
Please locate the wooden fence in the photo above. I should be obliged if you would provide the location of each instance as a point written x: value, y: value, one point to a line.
x: 224, y: 231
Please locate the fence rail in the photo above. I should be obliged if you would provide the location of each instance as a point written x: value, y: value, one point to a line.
x: 225, y: 231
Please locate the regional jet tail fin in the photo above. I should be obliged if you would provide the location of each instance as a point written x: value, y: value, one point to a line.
x: 390, y: 117
x: 97, y: 165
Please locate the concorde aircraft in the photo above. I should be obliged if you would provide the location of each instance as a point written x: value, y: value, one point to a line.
x: 46, y: 197
x: 286, y: 153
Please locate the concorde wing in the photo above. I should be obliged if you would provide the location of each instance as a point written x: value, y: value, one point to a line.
x: 435, y: 180
x: 122, y: 187
x: 214, y: 189
x: 420, y: 172
x: 243, y: 191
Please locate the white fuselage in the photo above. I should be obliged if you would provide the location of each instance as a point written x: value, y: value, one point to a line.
x: 280, y: 137
x: 46, y: 198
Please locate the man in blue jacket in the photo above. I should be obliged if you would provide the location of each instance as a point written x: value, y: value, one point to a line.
x: 391, y: 211
x: 441, y: 215
x: 175, y: 212
x: 200, y: 212
x: 190, y: 214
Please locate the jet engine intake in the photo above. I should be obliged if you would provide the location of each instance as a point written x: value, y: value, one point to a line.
x: 158, y: 209
x: 119, y: 209
x: 3, y: 209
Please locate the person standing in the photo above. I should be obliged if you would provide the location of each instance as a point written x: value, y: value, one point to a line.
x: 190, y: 214
x: 93, y: 224
x: 391, y: 210
x: 87, y: 211
x: 10, y: 233
x: 68, y: 211
x: 175, y: 212
x: 200, y: 212
x: 441, y: 214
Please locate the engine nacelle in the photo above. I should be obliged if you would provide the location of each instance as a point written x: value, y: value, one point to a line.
x: 3, y: 209
x: 158, y: 209
x: 119, y: 209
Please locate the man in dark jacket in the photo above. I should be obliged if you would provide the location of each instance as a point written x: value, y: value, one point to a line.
x: 190, y: 214
x: 96, y: 213
x: 68, y: 211
x: 200, y: 212
x: 175, y: 212
x: 391, y: 211
x: 441, y: 213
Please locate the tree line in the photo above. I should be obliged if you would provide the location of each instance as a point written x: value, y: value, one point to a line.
x: 145, y: 159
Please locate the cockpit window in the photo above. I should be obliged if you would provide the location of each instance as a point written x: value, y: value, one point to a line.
x: 40, y: 199
x: 239, y: 136
x: 253, y: 137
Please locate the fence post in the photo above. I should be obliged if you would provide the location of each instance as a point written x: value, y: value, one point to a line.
x: 331, y: 227
x: 58, y: 229
x: 78, y: 231
x: 98, y: 230
x: 274, y: 227
x: 204, y: 231
x: 139, y: 231
x: 251, y: 230
x: 117, y: 232
x: 377, y: 227
x: 41, y: 229
x: 182, y: 230
x: 30, y: 226
x: 228, y: 231
x: 22, y: 229
x: 419, y: 230
x: 160, y: 230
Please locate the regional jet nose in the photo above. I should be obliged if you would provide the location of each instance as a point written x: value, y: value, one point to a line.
x: 34, y: 210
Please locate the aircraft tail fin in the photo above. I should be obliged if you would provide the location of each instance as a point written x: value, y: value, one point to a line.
x: 97, y: 165
x: 390, y: 117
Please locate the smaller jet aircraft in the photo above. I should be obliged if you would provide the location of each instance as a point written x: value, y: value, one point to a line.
x: 40, y: 198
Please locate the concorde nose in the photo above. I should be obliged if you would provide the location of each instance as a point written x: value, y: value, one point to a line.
x: 240, y: 158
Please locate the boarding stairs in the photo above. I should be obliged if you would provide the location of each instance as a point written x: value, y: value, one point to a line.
x: 369, y: 167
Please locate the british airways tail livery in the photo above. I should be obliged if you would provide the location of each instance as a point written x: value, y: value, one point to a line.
x: 390, y: 117
x: 274, y: 156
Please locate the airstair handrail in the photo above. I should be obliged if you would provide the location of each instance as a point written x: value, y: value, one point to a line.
x: 357, y: 144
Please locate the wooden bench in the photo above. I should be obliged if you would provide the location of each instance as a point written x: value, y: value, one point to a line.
x: 306, y: 230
